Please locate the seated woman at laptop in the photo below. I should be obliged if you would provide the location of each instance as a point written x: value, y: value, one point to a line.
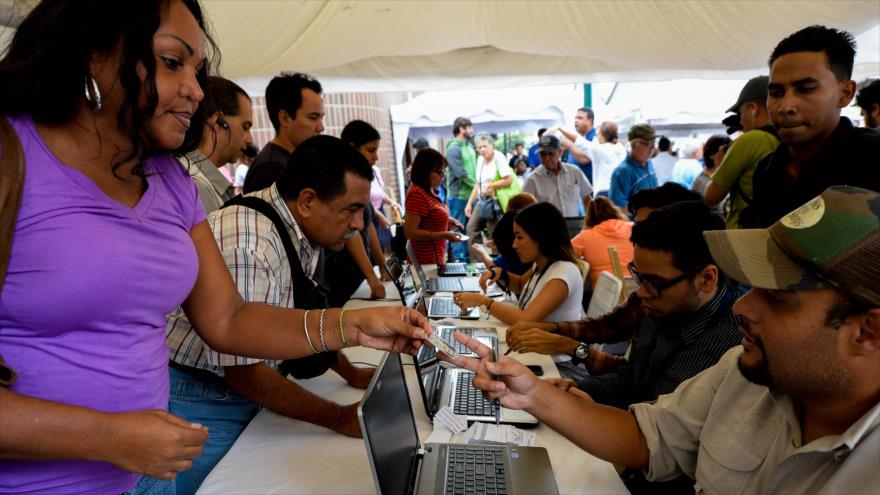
x: 552, y: 289
x: 604, y: 226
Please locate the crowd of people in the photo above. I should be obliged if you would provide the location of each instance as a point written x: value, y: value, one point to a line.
x: 154, y: 301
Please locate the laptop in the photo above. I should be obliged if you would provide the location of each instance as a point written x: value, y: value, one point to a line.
x: 441, y: 386
x: 400, y: 466
x: 443, y: 284
x: 460, y: 269
x: 438, y: 306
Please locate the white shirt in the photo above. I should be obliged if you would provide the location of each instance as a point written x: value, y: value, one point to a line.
x: 605, y: 157
x: 571, y: 308
x: 241, y: 171
x: 663, y: 165
x: 497, y: 169
x: 564, y: 190
x: 733, y: 436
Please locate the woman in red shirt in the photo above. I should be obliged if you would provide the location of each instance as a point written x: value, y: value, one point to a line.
x: 427, y: 221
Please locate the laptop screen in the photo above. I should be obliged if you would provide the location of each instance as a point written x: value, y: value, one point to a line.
x: 390, y: 428
x: 428, y: 371
x: 408, y: 288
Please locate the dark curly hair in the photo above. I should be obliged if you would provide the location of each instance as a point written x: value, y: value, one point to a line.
x: 44, y: 68
x: 544, y: 223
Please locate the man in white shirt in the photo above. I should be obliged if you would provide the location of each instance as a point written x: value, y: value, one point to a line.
x: 562, y: 184
x: 795, y: 409
x: 605, y: 152
x: 664, y: 162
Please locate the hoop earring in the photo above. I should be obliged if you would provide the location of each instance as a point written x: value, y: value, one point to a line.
x: 93, y: 94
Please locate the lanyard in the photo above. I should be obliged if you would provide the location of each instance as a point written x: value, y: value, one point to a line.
x: 526, y: 297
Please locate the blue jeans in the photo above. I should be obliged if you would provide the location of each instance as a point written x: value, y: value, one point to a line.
x: 212, y: 404
x: 456, y: 210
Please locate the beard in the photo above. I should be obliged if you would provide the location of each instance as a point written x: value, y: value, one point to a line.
x: 758, y: 373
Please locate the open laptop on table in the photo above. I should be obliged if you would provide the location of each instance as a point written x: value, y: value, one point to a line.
x: 460, y: 269
x: 443, y: 284
x: 438, y: 306
x: 400, y: 466
x: 441, y: 386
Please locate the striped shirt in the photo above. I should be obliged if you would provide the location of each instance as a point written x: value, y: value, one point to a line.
x: 255, y: 256
x: 435, y: 218
x: 665, y: 353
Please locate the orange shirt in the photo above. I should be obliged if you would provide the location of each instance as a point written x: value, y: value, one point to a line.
x: 592, y: 245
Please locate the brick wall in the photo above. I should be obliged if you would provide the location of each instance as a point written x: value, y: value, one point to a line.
x: 340, y: 109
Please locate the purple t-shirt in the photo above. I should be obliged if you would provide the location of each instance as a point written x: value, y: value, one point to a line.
x: 82, y: 310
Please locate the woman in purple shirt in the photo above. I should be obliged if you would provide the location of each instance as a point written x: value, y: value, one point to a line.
x: 110, y: 237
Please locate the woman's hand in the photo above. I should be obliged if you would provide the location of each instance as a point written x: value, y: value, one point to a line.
x: 534, y: 340
x: 488, y: 190
x: 452, y: 236
x: 518, y: 384
x: 394, y: 329
x: 455, y: 224
x: 467, y: 300
x: 467, y: 210
x: 154, y: 443
x: 377, y: 290
x: 490, y: 277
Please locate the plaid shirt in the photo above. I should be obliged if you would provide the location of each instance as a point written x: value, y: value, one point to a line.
x: 256, y: 259
x: 618, y: 325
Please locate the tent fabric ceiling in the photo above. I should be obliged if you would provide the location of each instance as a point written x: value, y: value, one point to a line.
x: 420, y: 45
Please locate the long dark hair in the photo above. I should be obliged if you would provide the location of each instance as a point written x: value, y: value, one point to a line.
x: 44, y: 68
x: 545, y: 224
x: 426, y: 160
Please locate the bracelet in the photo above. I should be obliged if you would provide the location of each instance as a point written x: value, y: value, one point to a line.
x: 489, y: 304
x: 341, y: 333
x: 306, y: 330
x: 321, y: 331
x: 558, y: 328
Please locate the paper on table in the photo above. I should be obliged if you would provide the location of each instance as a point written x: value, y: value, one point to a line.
x: 500, y: 434
x: 452, y: 428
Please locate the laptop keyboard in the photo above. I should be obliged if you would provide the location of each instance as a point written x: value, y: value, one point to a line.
x: 469, y: 400
x: 446, y: 334
x: 443, y: 306
x: 455, y: 268
x: 475, y: 469
x: 447, y: 285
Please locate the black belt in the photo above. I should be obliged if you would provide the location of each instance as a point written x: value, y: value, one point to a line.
x: 201, y: 374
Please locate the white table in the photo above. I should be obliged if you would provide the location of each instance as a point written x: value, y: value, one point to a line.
x: 279, y: 455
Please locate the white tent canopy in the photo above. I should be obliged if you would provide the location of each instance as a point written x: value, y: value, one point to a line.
x: 439, y: 45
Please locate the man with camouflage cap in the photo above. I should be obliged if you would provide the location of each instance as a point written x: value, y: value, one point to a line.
x: 796, y: 408
x: 636, y: 172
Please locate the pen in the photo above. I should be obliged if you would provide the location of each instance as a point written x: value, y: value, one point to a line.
x: 508, y: 351
x: 496, y: 402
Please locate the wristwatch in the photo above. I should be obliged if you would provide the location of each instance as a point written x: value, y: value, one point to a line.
x: 582, y: 352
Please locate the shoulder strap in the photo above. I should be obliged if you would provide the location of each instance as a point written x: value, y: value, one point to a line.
x: 307, y: 294
x: 11, y: 185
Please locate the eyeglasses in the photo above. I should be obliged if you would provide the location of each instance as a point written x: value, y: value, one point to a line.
x: 655, y: 285
x: 439, y: 171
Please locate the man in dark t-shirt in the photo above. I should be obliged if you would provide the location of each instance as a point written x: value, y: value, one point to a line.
x: 296, y: 110
x: 810, y: 81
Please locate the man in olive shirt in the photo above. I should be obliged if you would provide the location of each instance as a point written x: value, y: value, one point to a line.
x: 734, y: 175
x: 462, y: 161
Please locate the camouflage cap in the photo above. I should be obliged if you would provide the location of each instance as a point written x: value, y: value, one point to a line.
x: 641, y: 131
x: 832, y: 241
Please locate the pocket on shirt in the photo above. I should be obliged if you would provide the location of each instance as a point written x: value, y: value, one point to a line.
x: 730, y: 453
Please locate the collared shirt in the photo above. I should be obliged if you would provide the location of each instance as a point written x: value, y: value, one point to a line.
x: 256, y: 259
x: 733, y: 436
x: 214, y: 188
x: 629, y: 178
x: 604, y: 156
x: 845, y: 159
x: 564, y: 190
x: 667, y: 352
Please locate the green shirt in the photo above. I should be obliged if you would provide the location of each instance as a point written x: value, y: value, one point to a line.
x: 738, y: 167
x: 462, y: 161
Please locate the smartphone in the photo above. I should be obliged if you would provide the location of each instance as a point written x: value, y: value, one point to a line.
x: 537, y: 370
